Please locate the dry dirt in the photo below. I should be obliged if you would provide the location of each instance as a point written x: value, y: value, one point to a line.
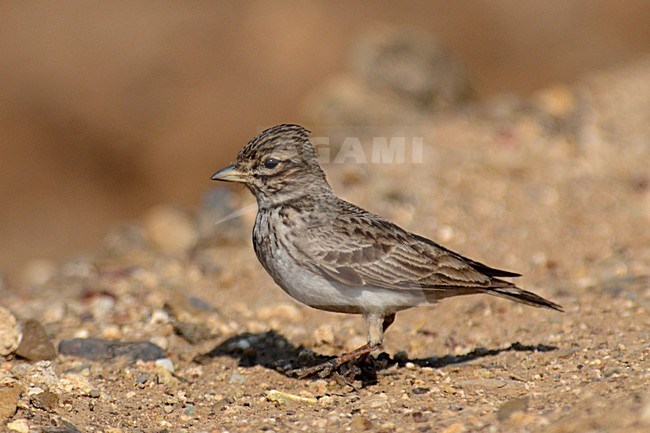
x: 556, y: 187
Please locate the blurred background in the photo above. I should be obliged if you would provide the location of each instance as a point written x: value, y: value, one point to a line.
x: 108, y: 108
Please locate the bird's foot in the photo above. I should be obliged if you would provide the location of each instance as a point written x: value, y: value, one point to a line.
x: 326, y: 368
x: 323, y: 370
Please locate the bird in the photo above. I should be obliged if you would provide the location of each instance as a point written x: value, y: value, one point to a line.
x: 332, y: 255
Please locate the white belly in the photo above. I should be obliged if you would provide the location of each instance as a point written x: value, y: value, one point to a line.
x: 318, y: 292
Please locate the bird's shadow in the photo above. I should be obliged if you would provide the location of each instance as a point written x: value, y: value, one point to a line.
x: 273, y: 351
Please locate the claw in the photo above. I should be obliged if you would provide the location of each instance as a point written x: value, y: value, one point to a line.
x: 324, y: 370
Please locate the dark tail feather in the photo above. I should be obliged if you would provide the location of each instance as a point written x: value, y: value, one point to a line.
x: 523, y: 296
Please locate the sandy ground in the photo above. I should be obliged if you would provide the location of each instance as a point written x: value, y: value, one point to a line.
x: 556, y: 188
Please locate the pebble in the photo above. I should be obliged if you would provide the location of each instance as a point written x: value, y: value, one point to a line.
x: 9, y: 335
x: 19, y: 425
x: 510, y: 407
x: 45, y: 400
x: 171, y: 230
x: 9, y: 397
x: 143, y: 378
x: 65, y: 427
x: 35, y: 344
x: 189, y: 410
x: 237, y: 378
x: 284, y: 398
x: 105, y: 350
x: 165, y: 363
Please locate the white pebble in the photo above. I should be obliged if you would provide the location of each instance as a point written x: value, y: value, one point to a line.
x: 165, y: 363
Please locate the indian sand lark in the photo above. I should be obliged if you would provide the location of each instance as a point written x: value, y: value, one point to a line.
x: 332, y: 255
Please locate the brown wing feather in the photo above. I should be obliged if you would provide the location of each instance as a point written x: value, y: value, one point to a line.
x: 373, y: 252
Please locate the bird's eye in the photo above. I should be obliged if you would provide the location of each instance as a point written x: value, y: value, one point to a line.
x: 271, y: 163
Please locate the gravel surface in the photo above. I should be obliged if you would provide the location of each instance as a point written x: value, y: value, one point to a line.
x: 174, y: 326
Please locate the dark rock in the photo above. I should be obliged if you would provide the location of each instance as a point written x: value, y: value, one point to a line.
x: 35, y: 344
x: 105, y: 350
x: 420, y: 390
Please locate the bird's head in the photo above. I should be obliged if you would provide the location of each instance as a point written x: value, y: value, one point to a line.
x: 277, y: 165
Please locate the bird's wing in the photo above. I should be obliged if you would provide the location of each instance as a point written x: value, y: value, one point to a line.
x: 369, y: 251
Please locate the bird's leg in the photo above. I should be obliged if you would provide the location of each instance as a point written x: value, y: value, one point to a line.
x: 377, y: 324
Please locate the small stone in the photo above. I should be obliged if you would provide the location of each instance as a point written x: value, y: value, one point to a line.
x: 510, y: 407
x: 143, y: 378
x: 45, y: 400
x: 189, y: 410
x: 171, y: 230
x: 237, y: 378
x: 94, y: 393
x: 63, y: 426
x: 104, y: 350
x: 8, y: 400
x: 168, y: 408
x: 9, y: 335
x: 284, y: 398
x: 19, y: 425
x: 35, y: 344
x: 165, y: 363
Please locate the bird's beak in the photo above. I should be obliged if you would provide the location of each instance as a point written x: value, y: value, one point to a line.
x: 230, y: 174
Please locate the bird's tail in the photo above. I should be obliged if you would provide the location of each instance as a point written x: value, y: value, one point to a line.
x: 516, y: 294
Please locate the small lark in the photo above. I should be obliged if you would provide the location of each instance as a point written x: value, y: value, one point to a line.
x: 332, y: 255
